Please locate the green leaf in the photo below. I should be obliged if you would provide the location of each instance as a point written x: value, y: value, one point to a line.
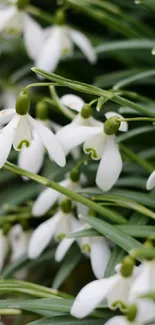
x: 67, y: 320
x: 70, y: 262
x: 133, y: 133
x: 116, y: 235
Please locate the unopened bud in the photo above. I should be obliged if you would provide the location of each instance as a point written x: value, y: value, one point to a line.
x: 86, y: 111
x: 66, y: 206
x: 127, y: 267
x: 131, y: 313
x: 75, y: 175
x: 111, y: 125
x: 22, y: 4
x: 22, y: 103
x: 60, y: 17
x: 42, y: 111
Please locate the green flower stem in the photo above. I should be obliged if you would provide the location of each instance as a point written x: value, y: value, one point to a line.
x: 14, y: 217
x: 143, y: 253
x: 40, y: 14
x: 38, y: 84
x: 134, y: 119
x: 67, y: 112
x: 90, y: 89
x: 73, y: 195
x: 133, y: 157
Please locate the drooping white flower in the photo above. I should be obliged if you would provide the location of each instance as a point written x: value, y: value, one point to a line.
x: 3, y: 248
x: 145, y: 313
x: 19, y: 132
x: 19, y: 240
x: 11, y: 19
x: 115, y: 289
x: 57, y: 42
x: 151, y: 181
x: 58, y: 227
x: 145, y: 282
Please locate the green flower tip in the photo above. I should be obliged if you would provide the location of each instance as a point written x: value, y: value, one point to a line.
x: 128, y: 264
x: 131, y: 313
x: 42, y: 111
x: 66, y: 205
x: 111, y: 125
x: 22, y: 4
x: 6, y: 228
x: 86, y: 111
x: 75, y: 175
x: 60, y: 17
x: 22, y: 103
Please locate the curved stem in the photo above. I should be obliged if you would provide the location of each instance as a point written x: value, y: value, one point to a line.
x: 39, y: 84
x: 134, y: 119
x: 67, y: 192
x: 67, y: 112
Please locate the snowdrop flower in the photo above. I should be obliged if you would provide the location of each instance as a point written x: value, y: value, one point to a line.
x: 19, y: 240
x: 11, y: 18
x: 139, y: 314
x: 58, y: 41
x: 19, y: 132
x: 115, y: 289
x: 145, y: 282
x: 4, y: 248
x: 96, y: 248
x: 151, y: 181
x: 58, y: 227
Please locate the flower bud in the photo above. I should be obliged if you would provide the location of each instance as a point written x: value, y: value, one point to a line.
x: 6, y: 228
x: 131, y: 313
x: 86, y: 111
x: 22, y: 4
x: 22, y: 103
x: 66, y: 205
x: 42, y: 111
x: 127, y: 267
x: 60, y: 17
x: 75, y: 175
x: 111, y: 125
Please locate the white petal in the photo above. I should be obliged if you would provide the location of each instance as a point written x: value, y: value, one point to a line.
x: 73, y: 102
x: 63, y: 248
x: 110, y: 166
x: 23, y: 135
x: 6, y: 115
x: 95, y: 146
x: 19, y: 242
x: 146, y: 311
x: 124, y: 125
x: 6, y: 139
x: 99, y: 255
x: 118, y: 320
x: 4, y: 249
x: 84, y: 44
x: 50, y: 142
x: 46, y: 200
x: 5, y: 16
x: 33, y: 37
x: 32, y: 158
x: 42, y: 236
x: 70, y: 136
x: 119, y: 295
x: 151, y: 181
x: 64, y: 226
x: 50, y: 52
x: 91, y: 296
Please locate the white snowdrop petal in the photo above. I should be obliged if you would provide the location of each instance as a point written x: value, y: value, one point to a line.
x: 32, y: 158
x: 99, y: 256
x: 6, y: 139
x: 73, y: 102
x: 6, y: 115
x: 124, y: 125
x: 50, y: 52
x: 151, y: 181
x: 120, y: 293
x: 71, y: 136
x: 110, y: 165
x: 95, y: 146
x: 41, y: 237
x: 5, y: 15
x: 63, y: 248
x: 64, y: 226
x: 91, y: 296
x: 84, y: 45
x: 33, y: 37
x: 146, y: 311
x: 50, y: 142
x: 23, y: 135
x: 19, y: 242
x: 118, y: 320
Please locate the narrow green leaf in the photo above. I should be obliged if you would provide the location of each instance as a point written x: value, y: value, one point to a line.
x: 67, y: 320
x: 116, y: 235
